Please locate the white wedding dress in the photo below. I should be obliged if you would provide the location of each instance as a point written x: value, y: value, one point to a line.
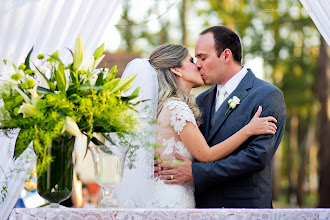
x: 139, y: 188
x: 171, y: 120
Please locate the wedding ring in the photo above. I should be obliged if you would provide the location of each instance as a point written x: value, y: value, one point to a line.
x: 172, y: 177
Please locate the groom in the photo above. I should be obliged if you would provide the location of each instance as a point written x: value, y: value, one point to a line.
x: 243, y: 179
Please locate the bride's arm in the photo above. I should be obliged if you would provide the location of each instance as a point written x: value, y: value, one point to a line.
x: 198, y: 147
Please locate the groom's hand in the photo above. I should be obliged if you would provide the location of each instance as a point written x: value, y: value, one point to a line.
x: 178, y: 174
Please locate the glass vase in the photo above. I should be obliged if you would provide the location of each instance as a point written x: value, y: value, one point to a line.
x: 55, y: 183
x: 109, y: 161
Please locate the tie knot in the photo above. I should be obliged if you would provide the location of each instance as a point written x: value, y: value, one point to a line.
x: 222, y: 90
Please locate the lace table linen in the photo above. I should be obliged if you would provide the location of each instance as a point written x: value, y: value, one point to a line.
x: 136, y: 214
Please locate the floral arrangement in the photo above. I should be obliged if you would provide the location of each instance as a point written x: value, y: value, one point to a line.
x: 47, y: 98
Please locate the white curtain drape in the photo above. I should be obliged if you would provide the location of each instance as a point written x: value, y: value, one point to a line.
x: 46, y: 25
x: 319, y: 11
x: 51, y: 25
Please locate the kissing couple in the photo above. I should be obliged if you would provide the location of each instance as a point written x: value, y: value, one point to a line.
x: 216, y: 150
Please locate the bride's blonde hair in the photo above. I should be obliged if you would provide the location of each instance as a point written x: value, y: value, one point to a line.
x: 163, y: 59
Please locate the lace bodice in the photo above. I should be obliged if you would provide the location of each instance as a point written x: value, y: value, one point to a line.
x: 171, y: 121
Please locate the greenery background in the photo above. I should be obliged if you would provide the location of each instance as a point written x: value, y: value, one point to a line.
x: 293, y: 55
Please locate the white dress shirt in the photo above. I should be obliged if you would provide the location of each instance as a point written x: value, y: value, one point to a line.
x: 230, y: 86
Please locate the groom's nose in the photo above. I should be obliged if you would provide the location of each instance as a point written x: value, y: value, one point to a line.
x: 198, y: 64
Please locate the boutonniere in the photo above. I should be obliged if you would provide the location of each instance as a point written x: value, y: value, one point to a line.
x: 233, y: 102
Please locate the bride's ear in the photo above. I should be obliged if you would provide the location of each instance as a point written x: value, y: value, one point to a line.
x: 176, y: 71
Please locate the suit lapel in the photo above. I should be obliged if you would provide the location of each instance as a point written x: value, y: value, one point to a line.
x: 220, y: 116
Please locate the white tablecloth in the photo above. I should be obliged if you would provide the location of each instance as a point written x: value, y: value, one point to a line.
x: 71, y: 213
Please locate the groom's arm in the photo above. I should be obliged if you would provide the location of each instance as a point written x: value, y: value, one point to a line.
x: 253, y: 158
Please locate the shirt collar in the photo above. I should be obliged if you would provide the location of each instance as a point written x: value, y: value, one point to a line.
x: 234, y: 81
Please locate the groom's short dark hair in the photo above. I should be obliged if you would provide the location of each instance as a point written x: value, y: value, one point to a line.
x: 224, y: 38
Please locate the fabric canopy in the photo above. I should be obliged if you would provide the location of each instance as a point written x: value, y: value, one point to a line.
x: 51, y: 25
x: 46, y: 25
x: 319, y: 11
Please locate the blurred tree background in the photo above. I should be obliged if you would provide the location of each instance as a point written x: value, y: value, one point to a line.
x: 295, y: 59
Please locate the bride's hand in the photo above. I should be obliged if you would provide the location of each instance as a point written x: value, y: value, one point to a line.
x: 261, y: 125
x: 157, y: 164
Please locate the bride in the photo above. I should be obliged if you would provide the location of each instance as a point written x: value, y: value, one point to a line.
x: 178, y: 118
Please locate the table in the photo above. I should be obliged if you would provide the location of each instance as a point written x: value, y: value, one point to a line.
x: 136, y: 214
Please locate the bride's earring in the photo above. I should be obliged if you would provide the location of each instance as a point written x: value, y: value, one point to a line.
x: 176, y: 72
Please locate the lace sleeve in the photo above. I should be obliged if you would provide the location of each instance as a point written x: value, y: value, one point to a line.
x: 180, y: 114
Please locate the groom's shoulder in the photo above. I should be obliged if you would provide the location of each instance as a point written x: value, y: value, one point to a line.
x: 264, y: 86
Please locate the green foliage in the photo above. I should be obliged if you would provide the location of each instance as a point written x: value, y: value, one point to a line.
x: 98, y: 52
x: 76, y: 98
x: 4, y: 190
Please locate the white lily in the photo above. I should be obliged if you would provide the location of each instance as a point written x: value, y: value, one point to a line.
x: 67, y: 79
x: 80, y: 147
x: 42, y: 81
x: 10, y: 70
x: 34, y: 95
x: 71, y: 127
x: 98, y: 61
x: 25, y: 97
x: 27, y: 110
x: 91, y: 64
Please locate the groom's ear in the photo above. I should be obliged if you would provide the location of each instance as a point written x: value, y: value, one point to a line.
x: 227, y: 55
x: 176, y: 71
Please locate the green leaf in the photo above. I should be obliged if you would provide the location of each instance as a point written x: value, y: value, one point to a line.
x: 73, y: 89
x: 60, y: 78
x: 100, y: 80
x: 109, y: 139
x: 88, y: 141
x: 74, y: 77
x: 27, y: 60
x: 78, y: 54
x: 134, y: 94
x: 70, y: 51
x: 96, y: 141
x: 101, y: 146
x: 56, y: 58
x: 98, y: 52
x: 87, y: 86
x: 53, y: 56
x: 112, y: 73
x: 22, y: 142
x: 43, y: 90
x: 112, y: 84
x: 124, y: 83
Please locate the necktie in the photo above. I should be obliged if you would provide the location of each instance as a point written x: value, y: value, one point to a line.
x: 221, y: 96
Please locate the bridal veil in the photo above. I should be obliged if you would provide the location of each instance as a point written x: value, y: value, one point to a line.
x: 136, y: 186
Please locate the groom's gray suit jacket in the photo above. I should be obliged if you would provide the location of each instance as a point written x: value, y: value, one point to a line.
x: 242, y: 179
